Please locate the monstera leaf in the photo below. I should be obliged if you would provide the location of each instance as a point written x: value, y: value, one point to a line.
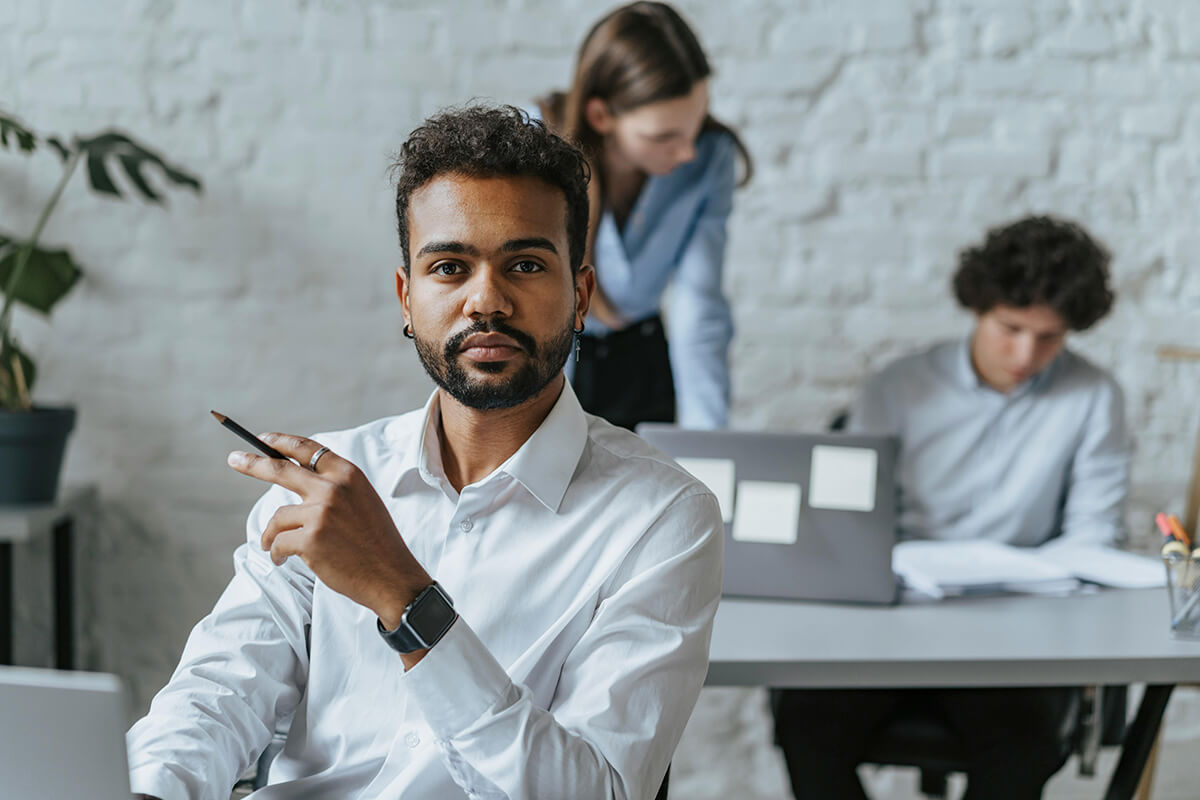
x: 113, y: 146
x: 48, y: 276
x: 39, y: 278
x: 21, y: 137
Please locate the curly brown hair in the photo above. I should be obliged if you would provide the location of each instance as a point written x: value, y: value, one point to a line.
x: 491, y: 141
x: 1038, y: 260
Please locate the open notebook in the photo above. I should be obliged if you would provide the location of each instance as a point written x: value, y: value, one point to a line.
x: 934, y: 569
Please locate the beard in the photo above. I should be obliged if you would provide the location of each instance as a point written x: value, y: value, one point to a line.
x: 545, y: 361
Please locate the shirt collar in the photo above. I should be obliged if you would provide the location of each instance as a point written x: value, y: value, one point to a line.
x: 968, y: 378
x: 415, y: 452
x: 1041, y: 381
x: 544, y: 464
x: 964, y: 370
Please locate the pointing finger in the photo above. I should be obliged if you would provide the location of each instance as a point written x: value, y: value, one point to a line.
x: 274, y: 470
x: 303, y: 451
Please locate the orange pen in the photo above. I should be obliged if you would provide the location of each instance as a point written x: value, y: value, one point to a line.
x: 1177, y: 530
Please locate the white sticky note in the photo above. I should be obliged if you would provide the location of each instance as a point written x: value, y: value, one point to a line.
x: 842, y: 478
x: 718, y: 475
x: 767, y: 511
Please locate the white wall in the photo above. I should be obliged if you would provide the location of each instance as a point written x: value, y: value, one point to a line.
x: 887, y: 133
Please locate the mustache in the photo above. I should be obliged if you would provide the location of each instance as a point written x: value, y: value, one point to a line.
x: 455, y: 342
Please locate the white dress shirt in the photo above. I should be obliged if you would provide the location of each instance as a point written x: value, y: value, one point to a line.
x: 1048, y: 459
x: 586, y: 570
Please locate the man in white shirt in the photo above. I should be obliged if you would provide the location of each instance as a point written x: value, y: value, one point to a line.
x: 1005, y: 435
x: 584, y: 566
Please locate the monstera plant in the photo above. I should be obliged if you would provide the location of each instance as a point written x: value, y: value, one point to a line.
x: 39, y: 277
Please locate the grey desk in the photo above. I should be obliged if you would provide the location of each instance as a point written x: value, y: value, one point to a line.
x: 19, y: 524
x: 1109, y: 637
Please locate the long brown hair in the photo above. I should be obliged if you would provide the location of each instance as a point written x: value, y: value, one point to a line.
x: 640, y: 53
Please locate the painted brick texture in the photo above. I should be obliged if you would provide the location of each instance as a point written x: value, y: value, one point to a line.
x: 887, y: 136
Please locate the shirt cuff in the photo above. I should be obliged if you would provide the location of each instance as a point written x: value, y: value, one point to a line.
x: 157, y: 781
x: 457, y: 681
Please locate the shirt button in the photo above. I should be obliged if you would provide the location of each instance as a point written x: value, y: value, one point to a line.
x: 466, y: 524
x: 412, y: 739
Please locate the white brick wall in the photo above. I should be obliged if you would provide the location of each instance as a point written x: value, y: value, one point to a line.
x: 887, y: 135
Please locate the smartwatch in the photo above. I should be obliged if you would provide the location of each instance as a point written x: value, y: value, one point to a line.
x: 423, y: 623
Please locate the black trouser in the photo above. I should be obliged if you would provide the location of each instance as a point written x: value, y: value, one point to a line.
x: 625, y: 376
x: 1011, y: 737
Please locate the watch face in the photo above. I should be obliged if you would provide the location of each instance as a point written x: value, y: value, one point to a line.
x: 431, y: 617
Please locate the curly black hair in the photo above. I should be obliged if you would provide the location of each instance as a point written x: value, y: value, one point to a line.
x: 491, y: 141
x: 1038, y: 260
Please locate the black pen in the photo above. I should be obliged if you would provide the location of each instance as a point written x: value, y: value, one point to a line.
x: 259, y: 444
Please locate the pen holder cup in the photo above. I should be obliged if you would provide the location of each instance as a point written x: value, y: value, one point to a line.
x: 1183, y: 589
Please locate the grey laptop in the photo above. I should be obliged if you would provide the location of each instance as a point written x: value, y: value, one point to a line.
x: 62, y: 735
x: 807, y: 516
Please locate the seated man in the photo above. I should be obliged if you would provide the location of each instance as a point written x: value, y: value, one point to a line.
x: 1005, y: 435
x: 584, y: 566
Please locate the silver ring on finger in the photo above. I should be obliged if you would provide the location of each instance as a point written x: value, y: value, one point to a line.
x: 312, y: 462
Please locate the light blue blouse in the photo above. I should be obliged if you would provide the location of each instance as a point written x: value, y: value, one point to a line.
x: 1048, y: 459
x: 675, y: 235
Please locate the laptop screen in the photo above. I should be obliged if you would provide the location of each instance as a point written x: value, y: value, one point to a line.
x: 62, y: 735
x: 807, y: 516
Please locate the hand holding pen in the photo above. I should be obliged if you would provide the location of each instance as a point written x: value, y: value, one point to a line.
x: 341, y: 528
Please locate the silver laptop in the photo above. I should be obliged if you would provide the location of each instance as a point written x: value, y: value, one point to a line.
x: 807, y: 516
x: 62, y: 735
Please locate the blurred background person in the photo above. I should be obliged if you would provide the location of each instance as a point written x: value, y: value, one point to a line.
x: 663, y: 175
x: 1006, y: 435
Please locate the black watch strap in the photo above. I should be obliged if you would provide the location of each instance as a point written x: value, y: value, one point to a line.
x: 423, y: 623
x: 402, y: 640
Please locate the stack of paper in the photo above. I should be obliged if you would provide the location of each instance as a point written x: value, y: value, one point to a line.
x: 976, y: 567
x: 939, y: 569
x: 1105, y: 565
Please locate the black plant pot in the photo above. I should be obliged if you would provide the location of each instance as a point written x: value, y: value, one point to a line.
x: 31, y: 454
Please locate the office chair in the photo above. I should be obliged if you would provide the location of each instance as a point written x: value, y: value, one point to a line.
x: 917, y: 739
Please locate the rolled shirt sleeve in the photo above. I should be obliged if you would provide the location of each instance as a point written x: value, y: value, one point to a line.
x: 625, y: 691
